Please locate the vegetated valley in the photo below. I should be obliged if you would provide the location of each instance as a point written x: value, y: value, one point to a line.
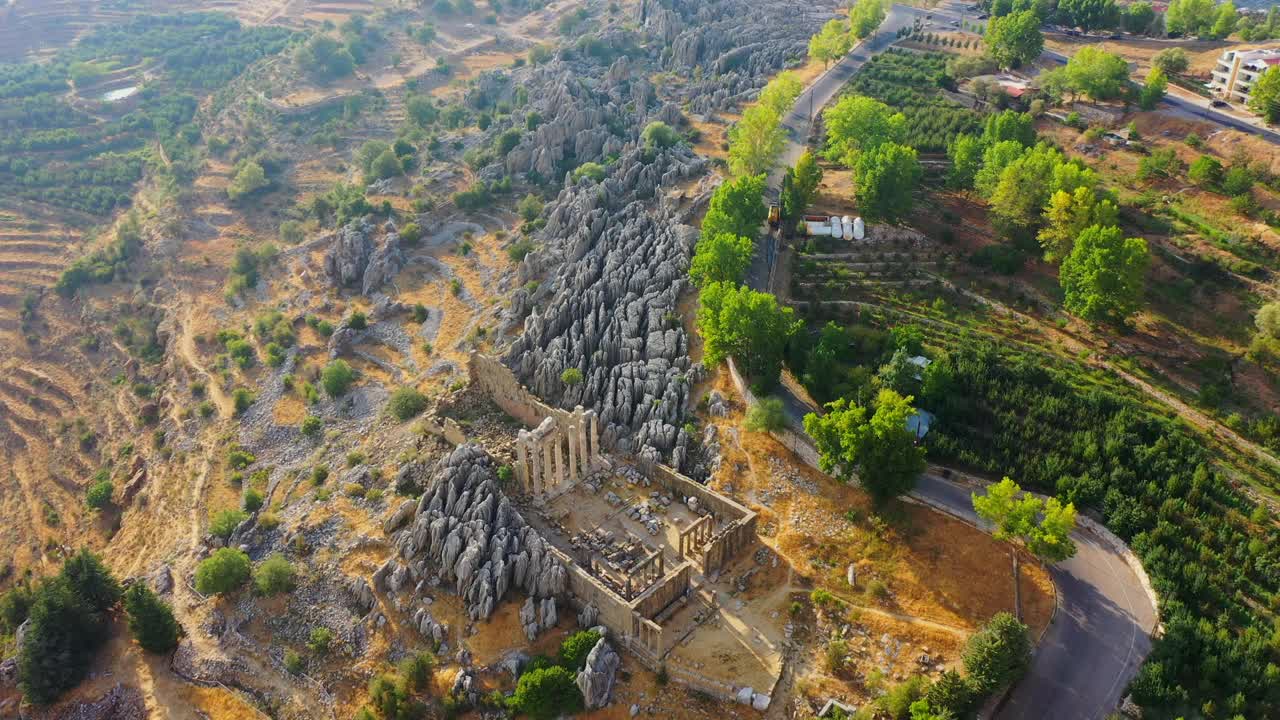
x: 384, y: 359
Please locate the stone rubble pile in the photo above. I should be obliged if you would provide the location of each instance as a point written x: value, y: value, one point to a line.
x: 465, y: 533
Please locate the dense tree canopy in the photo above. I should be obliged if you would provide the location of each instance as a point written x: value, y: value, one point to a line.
x: 1265, y: 97
x: 1102, y: 278
x: 1015, y: 39
x: 873, y: 443
x: 151, y: 620
x: 856, y: 124
x: 1042, y: 526
x: 830, y: 43
x: 736, y: 208
x: 885, y: 177
x: 721, y: 258
x: 750, y: 326
x: 865, y: 16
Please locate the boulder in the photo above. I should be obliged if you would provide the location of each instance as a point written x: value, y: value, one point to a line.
x: 596, y: 679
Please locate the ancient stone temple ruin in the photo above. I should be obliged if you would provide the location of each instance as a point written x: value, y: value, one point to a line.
x: 541, y: 453
x: 643, y: 545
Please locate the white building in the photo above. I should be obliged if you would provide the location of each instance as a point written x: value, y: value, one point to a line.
x: 1237, y: 70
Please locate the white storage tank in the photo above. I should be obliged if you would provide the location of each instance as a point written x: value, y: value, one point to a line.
x: 836, y: 230
x: 859, y: 229
x: 846, y: 227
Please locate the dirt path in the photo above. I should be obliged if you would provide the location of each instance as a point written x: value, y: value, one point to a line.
x: 187, y: 349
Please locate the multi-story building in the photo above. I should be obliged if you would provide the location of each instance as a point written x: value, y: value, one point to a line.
x: 1237, y: 70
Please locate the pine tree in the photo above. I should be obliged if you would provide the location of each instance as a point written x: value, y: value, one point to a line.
x: 151, y: 619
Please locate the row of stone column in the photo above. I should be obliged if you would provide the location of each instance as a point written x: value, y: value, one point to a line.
x: 556, y: 452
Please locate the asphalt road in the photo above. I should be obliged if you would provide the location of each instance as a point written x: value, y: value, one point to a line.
x: 1101, y: 632
x: 1098, y: 638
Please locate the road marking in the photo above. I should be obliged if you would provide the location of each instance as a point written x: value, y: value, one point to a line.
x: 1134, y: 636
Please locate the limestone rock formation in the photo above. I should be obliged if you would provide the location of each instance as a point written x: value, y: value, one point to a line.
x: 597, y: 678
x: 353, y: 259
x: 466, y: 533
x: 612, y: 307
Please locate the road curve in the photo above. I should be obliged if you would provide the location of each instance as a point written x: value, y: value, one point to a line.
x: 1099, y: 636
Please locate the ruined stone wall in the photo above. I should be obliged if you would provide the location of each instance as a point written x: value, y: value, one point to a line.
x: 653, y: 601
x: 615, y: 613
x: 507, y: 393
x: 725, y: 545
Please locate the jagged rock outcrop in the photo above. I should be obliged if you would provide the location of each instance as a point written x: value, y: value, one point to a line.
x: 466, y: 533
x: 361, y: 594
x: 597, y: 678
x: 538, y: 617
x: 611, y: 310
x: 354, y: 260
x: 729, y: 66
x: 119, y: 703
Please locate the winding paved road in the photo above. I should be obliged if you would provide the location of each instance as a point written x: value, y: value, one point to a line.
x: 1101, y: 632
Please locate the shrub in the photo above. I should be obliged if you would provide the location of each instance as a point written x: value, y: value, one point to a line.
x: 658, y: 134
x: 99, y: 494
x: 358, y: 321
x: 571, y: 376
x: 519, y: 250
x: 226, y: 522
x: 546, y: 693
x: 590, y: 170
x: 768, y: 415
x: 505, y: 473
x: 998, y: 655
x: 406, y: 402
x: 311, y: 426
x: 293, y: 662
x: 1205, y: 172
x: 319, y: 474
x: 336, y: 378
x: 320, y: 640
x: 252, y: 500
x: 268, y: 521
x: 353, y: 489
x: 576, y: 647
x: 63, y: 633
x: 15, y: 603
x: 275, y: 354
x: 420, y: 313
x: 226, y: 570
x: 151, y: 620
x: 241, y: 400
x: 274, y: 576
x: 416, y: 671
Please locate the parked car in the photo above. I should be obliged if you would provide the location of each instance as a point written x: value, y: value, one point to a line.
x: 1219, y: 104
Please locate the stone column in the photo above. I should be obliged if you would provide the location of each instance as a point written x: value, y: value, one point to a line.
x: 548, y: 478
x: 558, y: 440
x: 522, y: 460
x: 571, y: 435
x: 580, y: 429
x: 595, y: 434
x: 535, y: 469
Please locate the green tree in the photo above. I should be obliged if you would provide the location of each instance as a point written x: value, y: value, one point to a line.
x: 755, y: 141
x: 1206, y: 172
x: 1009, y: 125
x: 1102, y: 277
x: 659, y: 135
x: 406, y: 402
x: 1171, y: 61
x: 780, y: 94
x: 885, y: 178
x: 1153, y: 89
x: 865, y: 16
x: 721, y: 258
x: 385, y: 165
x: 1138, y: 17
x: 576, y: 647
x: 998, y: 655
x: 249, y: 178
x: 546, y: 693
x: 1224, y: 21
x: 274, y: 576
x: 1042, y: 526
x: 923, y: 710
x: 90, y: 580
x: 1015, y: 39
x: 1190, y: 17
x: 325, y: 58
x: 15, y: 604
x: 995, y: 158
x: 1265, y: 96
x: 337, y: 377
x: 99, y: 494
x: 951, y: 692
x: 737, y: 208
x: 965, y: 152
x: 529, y: 208
x: 750, y: 326
x: 571, y: 376
x: 858, y: 123
x: 831, y: 43
x: 151, y: 620
x: 1097, y: 73
x: 226, y: 570
x: 421, y: 109
x: 1068, y: 214
x: 63, y: 633
x: 1025, y: 187
x: 876, y: 446
x: 799, y: 187
x: 1088, y: 14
